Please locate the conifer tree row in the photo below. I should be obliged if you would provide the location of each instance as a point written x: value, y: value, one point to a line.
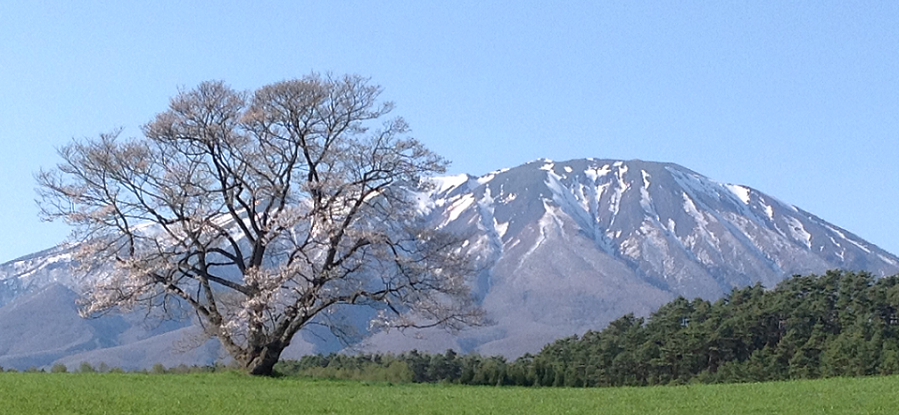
x: 837, y: 324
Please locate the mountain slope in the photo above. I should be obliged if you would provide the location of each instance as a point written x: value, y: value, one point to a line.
x: 572, y: 245
x: 45, y: 326
x: 569, y: 246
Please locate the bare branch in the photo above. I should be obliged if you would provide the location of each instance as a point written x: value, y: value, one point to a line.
x: 263, y: 212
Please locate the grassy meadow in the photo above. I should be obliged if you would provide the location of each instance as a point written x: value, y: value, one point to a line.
x: 231, y: 393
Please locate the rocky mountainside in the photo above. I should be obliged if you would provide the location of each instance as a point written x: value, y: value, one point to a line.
x: 565, y: 247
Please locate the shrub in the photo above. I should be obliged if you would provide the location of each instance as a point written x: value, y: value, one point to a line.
x: 86, y: 367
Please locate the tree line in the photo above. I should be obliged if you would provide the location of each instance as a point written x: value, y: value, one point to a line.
x: 838, y: 324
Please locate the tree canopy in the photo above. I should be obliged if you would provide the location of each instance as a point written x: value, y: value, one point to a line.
x: 261, y: 211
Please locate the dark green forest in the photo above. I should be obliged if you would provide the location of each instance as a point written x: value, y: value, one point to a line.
x: 837, y: 324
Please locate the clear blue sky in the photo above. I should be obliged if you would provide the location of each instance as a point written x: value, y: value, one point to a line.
x: 797, y: 99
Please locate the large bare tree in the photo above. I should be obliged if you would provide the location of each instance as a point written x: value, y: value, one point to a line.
x: 262, y: 211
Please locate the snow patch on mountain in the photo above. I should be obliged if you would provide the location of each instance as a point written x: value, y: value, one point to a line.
x: 489, y: 176
x: 444, y: 184
x: 623, y: 186
x: 798, y: 232
x: 501, y: 228
x: 595, y: 173
x: 739, y: 191
x: 691, y: 210
x: 850, y: 240
x: 548, y: 223
x: 456, y: 208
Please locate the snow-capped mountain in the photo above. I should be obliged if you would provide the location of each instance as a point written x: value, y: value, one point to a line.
x: 571, y: 245
x: 676, y: 229
x: 565, y: 247
x: 34, y: 272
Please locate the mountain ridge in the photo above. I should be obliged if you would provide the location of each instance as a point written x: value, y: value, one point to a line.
x: 569, y: 246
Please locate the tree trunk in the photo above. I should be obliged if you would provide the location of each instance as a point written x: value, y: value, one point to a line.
x: 263, y: 363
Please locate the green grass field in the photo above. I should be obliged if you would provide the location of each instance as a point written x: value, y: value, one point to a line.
x: 69, y: 393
